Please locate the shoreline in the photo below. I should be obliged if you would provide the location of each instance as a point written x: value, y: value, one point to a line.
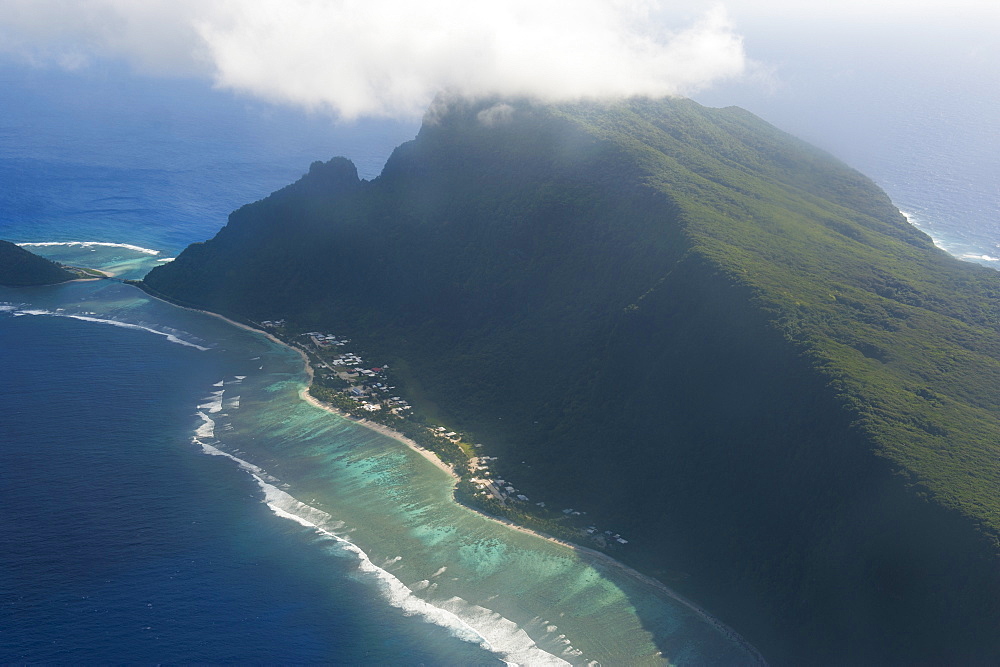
x: 380, y: 428
x: 104, y: 276
x: 640, y: 578
x: 305, y: 396
x: 431, y: 457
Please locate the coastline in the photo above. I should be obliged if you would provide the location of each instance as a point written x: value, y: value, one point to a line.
x: 379, y: 428
x: 104, y: 276
x: 430, y: 456
x: 602, y: 558
x: 304, y: 395
x: 641, y: 578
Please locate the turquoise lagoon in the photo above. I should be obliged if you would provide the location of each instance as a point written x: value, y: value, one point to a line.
x: 363, y: 508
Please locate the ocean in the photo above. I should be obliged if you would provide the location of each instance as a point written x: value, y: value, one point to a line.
x: 911, y: 103
x: 123, y: 543
x: 168, y: 497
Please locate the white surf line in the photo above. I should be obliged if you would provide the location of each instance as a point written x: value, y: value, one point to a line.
x: 950, y: 247
x: 214, y: 402
x: 87, y: 244
x: 125, y: 325
x: 394, y: 591
x: 207, y: 428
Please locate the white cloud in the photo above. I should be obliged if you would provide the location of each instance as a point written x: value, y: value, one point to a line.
x: 155, y: 36
x: 386, y: 57
x: 791, y: 12
x: 498, y: 114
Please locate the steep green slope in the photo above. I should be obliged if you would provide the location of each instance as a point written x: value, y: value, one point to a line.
x: 20, y: 268
x: 707, y: 334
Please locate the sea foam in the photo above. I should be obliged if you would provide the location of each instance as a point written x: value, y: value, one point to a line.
x: 173, y: 338
x: 88, y: 244
x: 214, y: 403
x: 127, y: 325
x: 207, y: 428
x: 463, y: 620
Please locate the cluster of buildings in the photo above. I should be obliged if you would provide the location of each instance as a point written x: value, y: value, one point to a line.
x: 505, y: 492
x: 322, y: 340
x: 442, y: 432
x: 373, y: 390
x: 374, y: 396
x: 604, y: 537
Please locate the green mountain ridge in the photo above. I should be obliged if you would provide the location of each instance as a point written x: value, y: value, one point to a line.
x: 21, y: 268
x: 697, y: 328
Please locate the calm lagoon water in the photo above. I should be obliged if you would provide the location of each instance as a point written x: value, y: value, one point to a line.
x: 124, y: 543
x: 169, y: 497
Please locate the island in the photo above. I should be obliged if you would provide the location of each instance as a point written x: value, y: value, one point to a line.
x: 22, y: 268
x: 669, y: 332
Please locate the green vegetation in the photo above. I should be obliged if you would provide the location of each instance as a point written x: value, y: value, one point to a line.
x: 337, y: 390
x: 84, y: 272
x: 20, y: 268
x: 703, y: 332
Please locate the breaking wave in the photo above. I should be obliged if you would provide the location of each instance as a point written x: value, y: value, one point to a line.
x: 463, y: 620
x: 88, y: 244
x: 170, y: 336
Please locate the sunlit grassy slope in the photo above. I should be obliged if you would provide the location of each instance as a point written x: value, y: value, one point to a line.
x: 707, y: 334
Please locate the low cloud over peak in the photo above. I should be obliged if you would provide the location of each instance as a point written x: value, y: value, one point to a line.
x: 384, y: 57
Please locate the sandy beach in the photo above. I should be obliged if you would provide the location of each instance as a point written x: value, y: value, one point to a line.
x: 305, y: 396
x: 635, y: 575
x: 380, y: 428
x: 105, y: 274
x: 598, y: 556
x: 603, y: 558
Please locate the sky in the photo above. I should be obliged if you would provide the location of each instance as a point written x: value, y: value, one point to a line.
x: 388, y: 58
x: 354, y: 58
x: 383, y: 57
x: 847, y: 75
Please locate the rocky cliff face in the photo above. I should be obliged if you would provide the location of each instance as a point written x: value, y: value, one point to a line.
x: 688, y: 324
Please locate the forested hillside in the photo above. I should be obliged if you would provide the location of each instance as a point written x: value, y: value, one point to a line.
x: 21, y: 268
x: 688, y: 324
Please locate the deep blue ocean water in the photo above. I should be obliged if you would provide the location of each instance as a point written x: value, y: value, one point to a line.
x: 161, y: 163
x: 124, y: 542
x: 913, y: 104
x: 302, y: 537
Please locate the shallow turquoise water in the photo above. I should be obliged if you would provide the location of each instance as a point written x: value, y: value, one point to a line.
x: 123, y: 542
x: 375, y: 512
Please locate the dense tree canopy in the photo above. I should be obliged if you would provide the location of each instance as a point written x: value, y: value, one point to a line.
x: 688, y: 323
x: 21, y: 268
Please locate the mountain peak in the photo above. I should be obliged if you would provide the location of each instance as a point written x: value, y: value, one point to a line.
x: 704, y: 330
